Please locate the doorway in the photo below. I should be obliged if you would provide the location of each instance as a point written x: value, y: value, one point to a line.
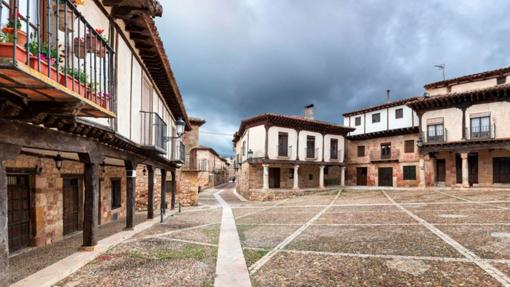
x: 441, y: 170
x: 18, y: 191
x: 473, y: 168
x: 361, y: 176
x: 71, y: 205
x: 274, y: 177
x: 385, y: 175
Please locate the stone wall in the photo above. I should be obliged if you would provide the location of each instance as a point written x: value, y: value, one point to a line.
x: 187, y: 187
x: 142, y: 187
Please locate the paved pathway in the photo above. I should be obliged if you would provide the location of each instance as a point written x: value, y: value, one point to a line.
x: 231, y: 267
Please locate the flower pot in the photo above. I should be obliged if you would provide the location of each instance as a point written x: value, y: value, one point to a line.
x: 68, y: 81
x: 95, y: 44
x: 43, y: 68
x: 79, y: 48
x: 7, y: 49
x: 22, y: 38
x: 64, y: 18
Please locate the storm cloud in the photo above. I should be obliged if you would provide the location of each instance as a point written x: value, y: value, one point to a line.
x: 238, y: 58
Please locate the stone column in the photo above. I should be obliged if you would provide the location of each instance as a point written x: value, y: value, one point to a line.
x: 174, y: 188
x: 465, y: 170
x: 296, y: 177
x: 6, y: 152
x: 91, y: 204
x: 342, y: 176
x: 131, y: 193
x: 265, y: 177
x: 422, y: 172
x: 163, y: 193
x: 150, y: 193
x: 321, y: 176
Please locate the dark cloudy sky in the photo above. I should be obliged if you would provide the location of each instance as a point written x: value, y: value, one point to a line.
x: 238, y: 58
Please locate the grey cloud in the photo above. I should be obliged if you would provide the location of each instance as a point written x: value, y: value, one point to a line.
x: 237, y: 58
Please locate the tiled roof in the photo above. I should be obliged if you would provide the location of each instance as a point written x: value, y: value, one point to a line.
x: 380, y: 107
x: 469, y: 78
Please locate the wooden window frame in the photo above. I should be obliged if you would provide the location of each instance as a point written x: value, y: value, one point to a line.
x: 361, y: 151
x: 399, y: 113
x: 409, y: 146
x: 283, y: 145
x: 376, y: 118
x: 357, y: 121
x: 409, y: 172
x: 333, y: 148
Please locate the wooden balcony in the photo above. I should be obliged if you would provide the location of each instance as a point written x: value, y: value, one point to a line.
x: 64, y: 62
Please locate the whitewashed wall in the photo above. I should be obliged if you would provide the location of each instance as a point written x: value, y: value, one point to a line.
x: 302, y: 144
x: 327, y: 148
x: 452, y: 119
x: 273, y: 142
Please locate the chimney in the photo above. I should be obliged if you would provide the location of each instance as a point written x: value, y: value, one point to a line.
x: 388, y: 95
x: 309, y: 113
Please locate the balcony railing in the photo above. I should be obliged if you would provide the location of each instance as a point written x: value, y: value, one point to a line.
x: 336, y: 157
x: 481, y: 132
x: 378, y: 156
x: 153, y: 131
x: 50, y: 52
x: 312, y: 153
x: 285, y: 151
x: 438, y: 138
x: 179, y: 151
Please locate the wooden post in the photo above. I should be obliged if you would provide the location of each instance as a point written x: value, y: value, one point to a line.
x: 90, y: 218
x: 163, y: 193
x: 7, y: 151
x: 150, y: 193
x: 131, y: 193
x: 174, y: 187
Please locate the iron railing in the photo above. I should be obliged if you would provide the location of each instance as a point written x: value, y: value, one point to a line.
x: 481, y: 132
x: 153, y: 130
x: 179, y: 151
x: 312, y: 153
x: 438, y: 138
x: 377, y: 155
x: 55, y: 39
x: 336, y: 157
x: 284, y: 151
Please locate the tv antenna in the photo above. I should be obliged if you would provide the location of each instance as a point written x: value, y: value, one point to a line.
x: 442, y: 67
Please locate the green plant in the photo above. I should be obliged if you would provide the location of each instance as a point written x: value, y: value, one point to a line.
x: 78, y: 74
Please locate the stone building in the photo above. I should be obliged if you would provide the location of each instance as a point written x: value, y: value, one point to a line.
x: 77, y: 135
x: 382, y: 150
x: 463, y: 130
x: 204, y: 167
x: 279, y: 156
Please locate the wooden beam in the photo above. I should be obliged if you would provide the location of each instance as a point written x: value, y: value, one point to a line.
x: 130, y: 192
x: 150, y: 192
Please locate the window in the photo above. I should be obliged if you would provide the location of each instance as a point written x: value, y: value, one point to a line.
x: 399, y: 113
x: 376, y: 118
x: 410, y: 172
x: 357, y: 121
x: 333, y: 149
x: 385, y: 150
x: 310, y: 147
x: 409, y: 146
x: 244, y: 148
x: 480, y: 127
x: 361, y: 151
x: 501, y: 80
x: 283, y: 147
x: 116, y: 193
x: 435, y: 132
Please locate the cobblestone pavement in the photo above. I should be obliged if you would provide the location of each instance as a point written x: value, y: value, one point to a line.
x: 348, y: 238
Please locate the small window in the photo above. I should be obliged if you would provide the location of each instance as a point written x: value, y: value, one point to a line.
x: 376, y: 118
x: 244, y: 148
x: 409, y: 146
x: 116, y: 193
x: 333, y: 149
x: 310, y: 147
x: 385, y: 150
x: 501, y: 80
x: 399, y: 113
x: 357, y: 121
x: 283, y: 146
x: 410, y: 172
x: 361, y: 151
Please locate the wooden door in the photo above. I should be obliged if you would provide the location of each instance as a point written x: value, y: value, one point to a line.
x: 385, y: 176
x: 274, y: 177
x: 71, y: 198
x: 501, y: 170
x: 473, y: 168
x: 440, y: 170
x: 18, y: 190
x: 361, y: 176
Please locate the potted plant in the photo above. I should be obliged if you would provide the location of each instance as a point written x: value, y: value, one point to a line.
x: 7, y: 42
x: 96, y: 45
x: 43, y: 59
x: 78, y: 77
x: 8, y: 31
x: 65, y: 14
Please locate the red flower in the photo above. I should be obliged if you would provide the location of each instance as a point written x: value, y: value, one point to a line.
x: 99, y: 30
x: 8, y: 30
